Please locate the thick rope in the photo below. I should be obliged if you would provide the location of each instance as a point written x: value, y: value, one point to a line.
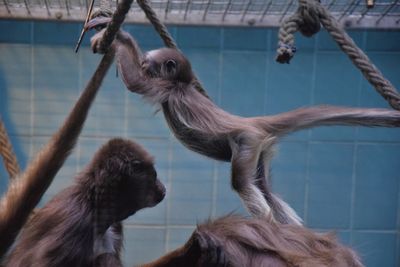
x: 165, y: 35
x: 307, y: 19
x: 6, y: 150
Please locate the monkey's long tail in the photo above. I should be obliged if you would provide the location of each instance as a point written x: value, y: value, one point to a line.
x: 302, y: 118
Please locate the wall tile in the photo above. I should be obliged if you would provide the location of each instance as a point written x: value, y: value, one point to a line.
x: 376, y: 249
x: 245, y: 38
x: 243, y: 83
x: 199, y: 37
x: 142, y: 245
x: 191, y: 186
x: 383, y: 40
x: 288, y: 172
x: 13, y: 31
x: 377, y: 186
x: 56, y: 33
x: 330, y: 185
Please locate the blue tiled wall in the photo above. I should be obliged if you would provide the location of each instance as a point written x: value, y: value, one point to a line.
x: 337, y: 178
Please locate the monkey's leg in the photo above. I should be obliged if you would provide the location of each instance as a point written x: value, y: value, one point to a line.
x: 281, y: 211
x: 246, y: 151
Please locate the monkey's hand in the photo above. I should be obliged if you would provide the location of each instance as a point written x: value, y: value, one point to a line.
x: 95, y: 42
x: 207, y: 250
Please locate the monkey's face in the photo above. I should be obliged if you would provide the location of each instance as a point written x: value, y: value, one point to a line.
x: 140, y: 188
x: 168, y: 64
x: 125, y: 171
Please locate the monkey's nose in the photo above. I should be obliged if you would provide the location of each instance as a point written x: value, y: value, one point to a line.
x: 162, y: 190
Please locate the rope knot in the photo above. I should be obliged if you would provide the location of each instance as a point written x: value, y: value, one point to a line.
x: 285, y: 52
x: 310, y: 22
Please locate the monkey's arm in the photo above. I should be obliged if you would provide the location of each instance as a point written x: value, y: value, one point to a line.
x: 25, y: 191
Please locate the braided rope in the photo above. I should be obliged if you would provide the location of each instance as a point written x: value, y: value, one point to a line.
x: 165, y: 35
x: 312, y: 13
x: 6, y: 150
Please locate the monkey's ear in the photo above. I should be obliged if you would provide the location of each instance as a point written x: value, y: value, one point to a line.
x: 170, y: 66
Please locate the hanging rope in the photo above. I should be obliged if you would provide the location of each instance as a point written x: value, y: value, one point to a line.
x: 165, y: 35
x: 6, y: 151
x: 307, y: 20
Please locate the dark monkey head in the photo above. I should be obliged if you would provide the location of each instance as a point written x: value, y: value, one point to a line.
x: 123, y: 179
x: 168, y: 64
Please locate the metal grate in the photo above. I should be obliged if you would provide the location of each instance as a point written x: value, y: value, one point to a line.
x: 261, y: 13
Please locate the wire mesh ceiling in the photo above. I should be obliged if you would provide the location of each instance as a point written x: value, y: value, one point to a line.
x: 261, y: 13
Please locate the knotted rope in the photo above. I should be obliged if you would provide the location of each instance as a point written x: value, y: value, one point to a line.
x: 6, y: 151
x: 165, y: 35
x: 307, y: 20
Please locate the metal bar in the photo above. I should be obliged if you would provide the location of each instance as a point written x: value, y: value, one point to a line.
x: 363, y: 14
x: 27, y: 7
x: 67, y: 7
x: 6, y: 4
x: 331, y: 4
x: 354, y: 7
x: 167, y: 9
x: 347, y: 10
x: 228, y: 6
x: 390, y: 7
x: 47, y: 7
x: 267, y: 7
x: 206, y: 9
x: 246, y: 10
x: 286, y: 10
x: 186, y: 9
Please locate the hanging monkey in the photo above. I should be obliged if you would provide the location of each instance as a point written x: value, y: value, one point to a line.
x: 165, y: 77
x: 81, y: 225
x: 26, y: 190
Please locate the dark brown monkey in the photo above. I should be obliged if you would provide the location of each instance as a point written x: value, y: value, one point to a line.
x: 25, y: 192
x: 80, y: 225
x: 165, y: 77
x: 236, y: 242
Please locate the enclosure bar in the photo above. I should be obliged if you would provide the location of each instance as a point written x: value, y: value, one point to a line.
x: 331, y: 4
x: 347, y: 10
x: 246, y: 10
x: 354, y: 7
x: 387, y: 10
x: 286, y: 10
x: 267, y: 7
x: 228, y: 6
x: 27, y: 7
x: 67, y: 7
x: 363, y: 14
x: 166, y: 10
x: 6, y: 4
x: 47, y: 7
x: 206, y: 9
x: 187, y: 9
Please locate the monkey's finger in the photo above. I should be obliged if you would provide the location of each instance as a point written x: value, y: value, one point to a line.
x: 97, y: 22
